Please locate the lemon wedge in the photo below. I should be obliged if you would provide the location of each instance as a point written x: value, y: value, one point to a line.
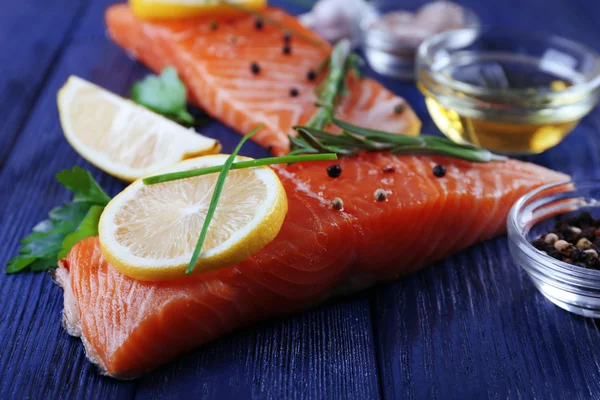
x: 157, y: 9
x: 149, y: 232
x: 120, y: 137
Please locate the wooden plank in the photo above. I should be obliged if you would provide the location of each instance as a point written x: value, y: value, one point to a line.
x: 37, y: 358
x: 91, y: 24
x: 474, y: 326
x: 31, y: 36
x: 323, y: 354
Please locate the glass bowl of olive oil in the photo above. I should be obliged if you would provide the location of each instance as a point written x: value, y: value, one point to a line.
x: 509, y: 91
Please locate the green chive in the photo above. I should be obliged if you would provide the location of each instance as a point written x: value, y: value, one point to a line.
x: 215, y: 199
x: 238, y: 165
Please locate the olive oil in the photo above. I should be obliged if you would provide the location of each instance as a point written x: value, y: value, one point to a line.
x: 499, y: 136
x: 506, y: 107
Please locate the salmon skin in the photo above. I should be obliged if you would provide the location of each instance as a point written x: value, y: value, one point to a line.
x: 214, y: 61
x: 129, y: 326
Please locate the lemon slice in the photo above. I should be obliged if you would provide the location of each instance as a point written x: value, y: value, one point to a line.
x: 156, y: 9
x: 120, y: 137
x: 149, y: 232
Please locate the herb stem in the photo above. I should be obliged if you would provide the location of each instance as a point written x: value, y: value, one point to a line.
x: 215, y: 199
x: 238, y: 165
x: 333, y: 85
x: 355, y: 139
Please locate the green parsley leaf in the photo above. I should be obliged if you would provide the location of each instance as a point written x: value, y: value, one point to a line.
x: 80, y: 182
x: 164, y: 94
x: 87, y: 228
x: 52, y: 238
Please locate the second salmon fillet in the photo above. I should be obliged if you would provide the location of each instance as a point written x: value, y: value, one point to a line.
x: 215, y: 59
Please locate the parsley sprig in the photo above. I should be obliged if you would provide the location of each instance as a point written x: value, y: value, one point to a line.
x: 51, y: 239
x: 164, y: 94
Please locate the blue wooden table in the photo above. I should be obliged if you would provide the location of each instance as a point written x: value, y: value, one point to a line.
x: 470, y: 327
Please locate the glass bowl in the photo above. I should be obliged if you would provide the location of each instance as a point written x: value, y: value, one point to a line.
x: 510, y: 91
x: 575, y: 289
x: 392, y: 52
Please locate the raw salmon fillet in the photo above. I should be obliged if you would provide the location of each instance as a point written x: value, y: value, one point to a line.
x: 215, y: 65
x: 129, y: 326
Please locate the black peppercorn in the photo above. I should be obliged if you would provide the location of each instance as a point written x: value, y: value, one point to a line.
x: 287, y: 37
x: 588, y: 233
x: 577, y: 255
x: 294, y: 92
x: 555, y: 254
x: 311, y: 75
x: 258, y: 24
x: 399, y: 109
x: 586, y: 216
x: 439, y: 171
x: 287, y: 49
x: 334, y: 171
x: 255, y: 68
x: 214, y: 25
x: 539, y: 244
x: 573, y: 221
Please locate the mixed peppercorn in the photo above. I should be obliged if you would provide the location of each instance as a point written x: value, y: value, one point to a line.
x: 380, y: 195
x: 574, y: 240
x: 337, y: 204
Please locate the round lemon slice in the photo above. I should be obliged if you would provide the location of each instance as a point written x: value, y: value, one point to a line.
x: 159, y: 9
x: 120, y: 137
x: 149, y: 232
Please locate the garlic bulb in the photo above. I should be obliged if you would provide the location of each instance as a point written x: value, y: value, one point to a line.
x: 338, y: 19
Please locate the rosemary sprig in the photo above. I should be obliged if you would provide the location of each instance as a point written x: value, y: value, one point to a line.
x: 276, y: 23
x: 215, y: 199
x: 341, y: 61
x: 238, y: 165
x: 355, y: 139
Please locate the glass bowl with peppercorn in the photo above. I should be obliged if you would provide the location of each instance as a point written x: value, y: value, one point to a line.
x: 554, y: 234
